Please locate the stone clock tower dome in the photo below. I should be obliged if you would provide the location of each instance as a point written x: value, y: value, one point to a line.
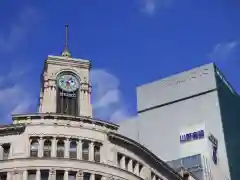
x: 65, y: 86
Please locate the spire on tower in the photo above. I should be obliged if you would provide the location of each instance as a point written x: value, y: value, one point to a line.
x: 66, y: 52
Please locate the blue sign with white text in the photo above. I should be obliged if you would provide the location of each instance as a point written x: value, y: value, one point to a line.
x: 192, y: 136
x: 214, y: 154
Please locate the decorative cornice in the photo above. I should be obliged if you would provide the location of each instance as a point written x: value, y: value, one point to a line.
x: 64, y: 136
x: 67, y: 61
x: 55, y: 116
x: 12, y: 129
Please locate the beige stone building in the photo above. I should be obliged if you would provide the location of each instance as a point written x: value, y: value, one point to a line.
x: 64, y: 142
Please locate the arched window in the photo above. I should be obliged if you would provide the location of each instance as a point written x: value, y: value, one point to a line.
x: 47, y: 148
x: 67, y: 93
x: 60, y: 148
x: 34, y: 148
x: 85, y: 150
x: 73, y: 149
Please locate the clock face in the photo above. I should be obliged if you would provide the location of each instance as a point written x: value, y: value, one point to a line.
x: 68, y: 83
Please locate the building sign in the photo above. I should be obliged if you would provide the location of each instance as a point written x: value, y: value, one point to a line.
x: 192, y: 136
x: 67, y: 94
x: 214, y: 142
x: 214, y: 155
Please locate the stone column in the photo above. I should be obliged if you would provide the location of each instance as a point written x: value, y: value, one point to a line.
x: 91, y: 151
x: 145, y: 173
x: 130, y: 166
x: 40, y: 147
x: 65, y: 175
x: 16, y: 175
x: 79, y: 149
x: 52, y: 174
x: 136, y: 169
x: 9, y: 175
x: 38, y: 174
x: 29, y: 147
x: 1, y: 152
x: 25, y: 175
x: 53, y: 150
x: 66, y: 148
x: 92, y: 176
x: 122, y: 162
x: 154, y: 177
x: 79, y: 175
x: 103, y: 154
x: 103, y: 178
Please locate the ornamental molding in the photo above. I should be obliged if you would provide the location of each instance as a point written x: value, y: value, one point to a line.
x: 72, y: 63
x: 40, y: 135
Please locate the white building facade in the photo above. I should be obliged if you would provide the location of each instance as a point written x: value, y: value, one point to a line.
x: 64, y: 142
x: 194, y: 115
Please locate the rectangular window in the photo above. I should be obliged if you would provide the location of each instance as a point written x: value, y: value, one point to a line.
x: 140, y: 168
x: 67, y: 102
x: 86, y: 176
x: 97, y: 153
x: 119, y: 157
x: 127, y: 159
x: 85, y: 150
x: 134, y: 164
x: 6, y: 150
x: 3, y: 176
x: 34, y: 153
x: 47, y: 148
x: 60, y: 153
x: 59, y: 175
x: 31, y: 175
x: 47, y: 153
x: 98, y: 177
x: 72, y: 175
x: 73, y: 149
x: 44, y: 174
x: 73, y: 154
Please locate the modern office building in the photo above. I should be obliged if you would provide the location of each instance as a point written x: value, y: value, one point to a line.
x: 64, y: 142
x: 195, y: 116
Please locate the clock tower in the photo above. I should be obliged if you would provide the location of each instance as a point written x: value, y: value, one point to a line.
x: 65, y: 87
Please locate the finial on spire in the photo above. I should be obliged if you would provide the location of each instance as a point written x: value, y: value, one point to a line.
x: 66, y: 52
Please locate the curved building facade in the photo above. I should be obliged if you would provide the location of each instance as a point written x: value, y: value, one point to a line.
x: 64, y: 142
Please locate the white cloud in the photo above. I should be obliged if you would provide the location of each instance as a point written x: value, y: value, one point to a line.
x: 111, y: 96
x: 15, y: 97
x: 108, y: 103
x: 149, y: 7
x: 19, y: 29
x: 120, y: 114
x: 225, y: 52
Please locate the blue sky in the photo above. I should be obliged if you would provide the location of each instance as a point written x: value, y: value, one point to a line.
x: 130, y: 42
